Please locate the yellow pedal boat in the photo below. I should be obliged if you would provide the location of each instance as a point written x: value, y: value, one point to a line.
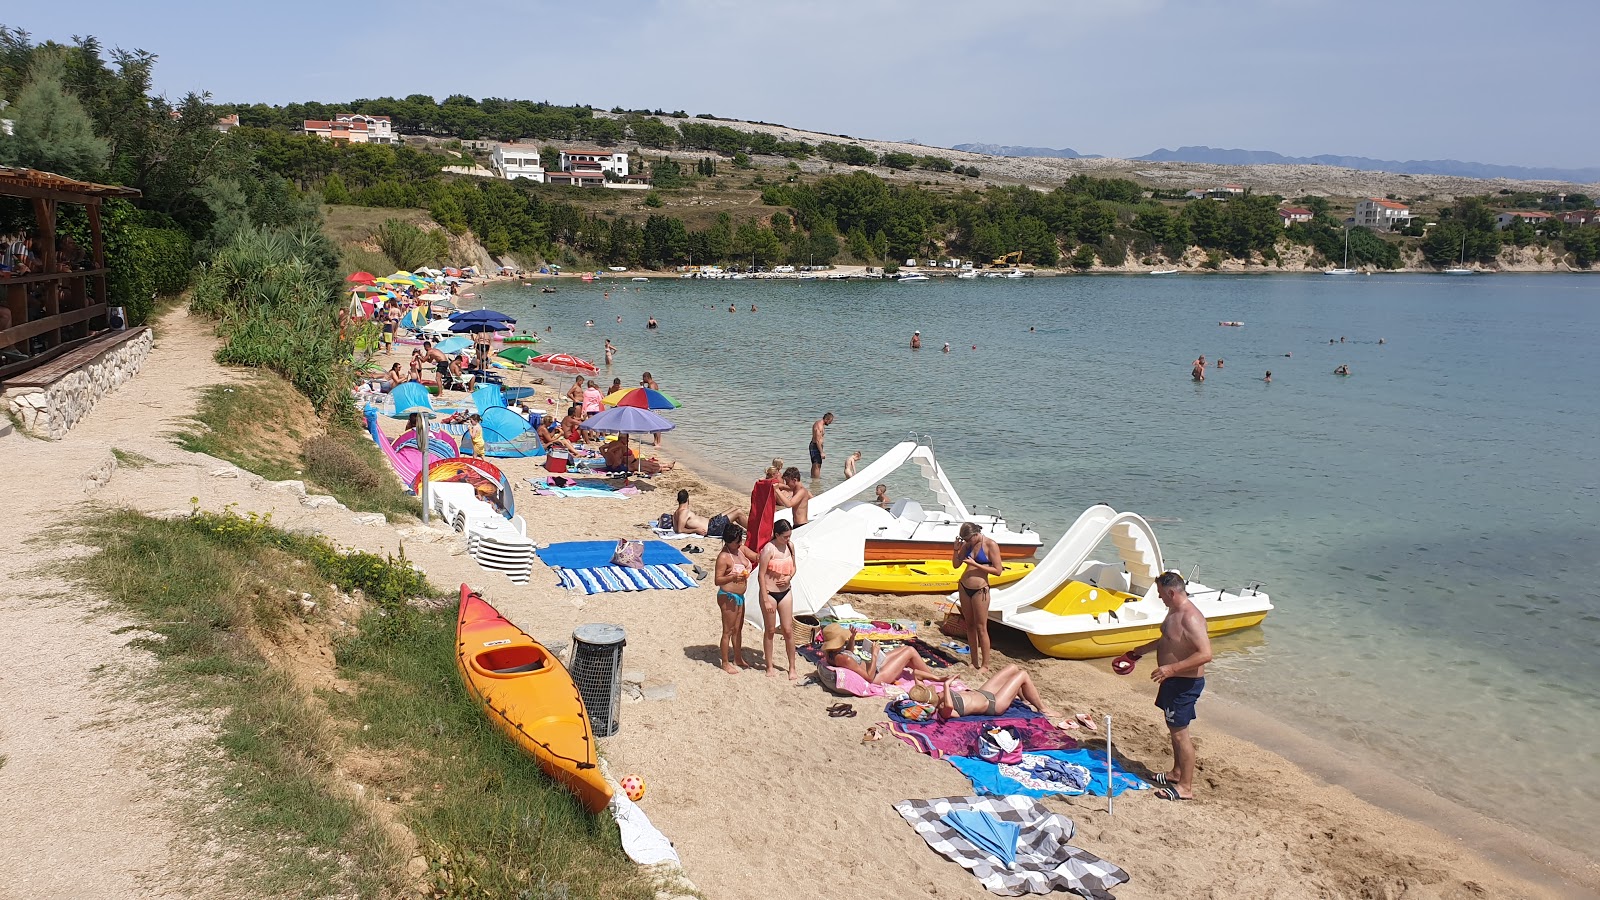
x: 934, y: 576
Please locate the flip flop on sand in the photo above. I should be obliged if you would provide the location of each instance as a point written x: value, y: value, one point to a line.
x: 1087, y: 720
x: 1169, y: 793
x: 841, y: 711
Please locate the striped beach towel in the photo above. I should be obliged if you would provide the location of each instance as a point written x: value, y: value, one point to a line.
x: 614, y: 579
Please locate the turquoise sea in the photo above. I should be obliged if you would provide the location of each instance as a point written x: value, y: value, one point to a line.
x: 1429, y: 527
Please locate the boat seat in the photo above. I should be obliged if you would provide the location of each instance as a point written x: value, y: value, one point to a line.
x: 907, y: 509
x: 1104, y: 575
x: 534, y: 666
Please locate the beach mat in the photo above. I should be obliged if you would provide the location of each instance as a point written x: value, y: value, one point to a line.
x: 1003, y: 780
x: 957, y: 737
x: 621, y: 579
x: 589, y: 487
x: 597, y: 554
x: 1044, y: 860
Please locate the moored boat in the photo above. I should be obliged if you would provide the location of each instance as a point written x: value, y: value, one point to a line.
x: 528, y: 694
x: 1074, y: 607
x: 935, y: 576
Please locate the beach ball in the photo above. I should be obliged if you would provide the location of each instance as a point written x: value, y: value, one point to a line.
x: 633, y: 786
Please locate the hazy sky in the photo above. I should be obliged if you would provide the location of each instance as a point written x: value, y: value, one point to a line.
x: 1475, y: 80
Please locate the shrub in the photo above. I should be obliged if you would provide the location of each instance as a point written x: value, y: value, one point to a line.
x: 330, y: 462
x: 408, y: 246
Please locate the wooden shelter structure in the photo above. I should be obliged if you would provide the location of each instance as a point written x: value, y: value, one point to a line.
x: 60, y: 303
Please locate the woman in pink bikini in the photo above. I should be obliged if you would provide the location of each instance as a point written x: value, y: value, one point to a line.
x: 777, y: 606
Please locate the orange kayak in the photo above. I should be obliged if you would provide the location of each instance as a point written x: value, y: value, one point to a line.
x: 528, y: 694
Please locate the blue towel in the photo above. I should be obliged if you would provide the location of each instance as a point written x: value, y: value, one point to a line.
x: 615, y: 579
x: 986, y: 832
x: 591, y: 554
x: 986, y: 777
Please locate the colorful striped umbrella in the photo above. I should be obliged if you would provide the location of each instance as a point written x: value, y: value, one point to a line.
x: 640, y: 398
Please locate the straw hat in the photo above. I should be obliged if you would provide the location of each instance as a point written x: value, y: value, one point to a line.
x: 834, y: 637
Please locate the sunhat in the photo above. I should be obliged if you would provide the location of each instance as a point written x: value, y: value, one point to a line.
x: 834, y: 637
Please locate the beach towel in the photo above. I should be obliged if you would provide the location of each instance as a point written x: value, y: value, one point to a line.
x: 1044, y: 773
x: 885, y: 630
x: 667, y: 534
x: 589, y: 554
x: 617, y: 579
x: 1044, y: 861
x: 957, y: 737
x: 844, y: 681
x: 642, y: 841
x: 584, y: 488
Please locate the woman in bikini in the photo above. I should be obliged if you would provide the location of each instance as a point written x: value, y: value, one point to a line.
x: 981, y: 556
x: 777, y: 606
x: 732, y: 576
x: 995, y: 697
x: 884, y: 666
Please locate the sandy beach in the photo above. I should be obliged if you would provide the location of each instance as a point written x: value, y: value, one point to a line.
x: 761, y: 790
x: 762, y: 793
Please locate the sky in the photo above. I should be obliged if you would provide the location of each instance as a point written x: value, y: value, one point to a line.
x: 1479, y: 80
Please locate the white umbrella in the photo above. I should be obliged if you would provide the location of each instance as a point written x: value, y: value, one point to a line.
x: 437, y: 328
x: 828, y: 551
x: 429, y: 271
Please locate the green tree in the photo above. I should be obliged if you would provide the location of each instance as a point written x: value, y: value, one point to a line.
x: 333, y: 190
x: 1083, y: 258
x: 51, y: 130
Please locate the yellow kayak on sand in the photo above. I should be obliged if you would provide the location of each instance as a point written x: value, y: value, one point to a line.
x: 934, y: 576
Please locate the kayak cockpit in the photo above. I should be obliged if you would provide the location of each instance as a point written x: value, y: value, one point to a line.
x: 517, y: 660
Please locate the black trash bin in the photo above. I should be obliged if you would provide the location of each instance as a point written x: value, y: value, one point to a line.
x: 597, y: 670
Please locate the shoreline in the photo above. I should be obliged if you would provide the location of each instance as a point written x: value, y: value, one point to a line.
x: 1248, y: 759
x: 858, y: 273
x: 1537, y: 859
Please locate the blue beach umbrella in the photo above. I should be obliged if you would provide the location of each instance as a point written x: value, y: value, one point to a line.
x: 627, y: 420
x: 453, y: 344
x: 459, y: 326
x: 482, y: 315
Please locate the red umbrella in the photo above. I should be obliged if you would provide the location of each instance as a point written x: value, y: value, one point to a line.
x: 452, y: 271
x: 564, y: 362
x: 362, y: 278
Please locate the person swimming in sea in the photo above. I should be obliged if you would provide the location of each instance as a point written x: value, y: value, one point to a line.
x: 1342, y: 370
x: 1268, y: 379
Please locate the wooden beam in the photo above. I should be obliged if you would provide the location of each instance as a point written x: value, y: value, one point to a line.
x: 53, y: 276
x: 16, y: 334
x: 29, y: 192
x: 94, y: 230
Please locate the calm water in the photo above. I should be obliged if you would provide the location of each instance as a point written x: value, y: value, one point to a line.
x: 1426, y: 526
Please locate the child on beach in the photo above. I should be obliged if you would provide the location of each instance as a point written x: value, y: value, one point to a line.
x: 732, y: 576
x: 475, y: 429
x: 850, y: 464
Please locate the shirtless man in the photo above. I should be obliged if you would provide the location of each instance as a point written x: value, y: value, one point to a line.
x: 618, y: 454
x: 1198, y: 373
x: 685, y: 521
x: 916, y: 340
x: 1182, y: 652
x: 819, y: 431
x: 791, y: 494
x: 430, y: 353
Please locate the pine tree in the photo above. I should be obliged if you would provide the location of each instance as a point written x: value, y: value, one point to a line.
x: 51, y: 130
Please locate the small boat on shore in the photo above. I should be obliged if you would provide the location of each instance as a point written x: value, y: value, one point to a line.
x: 1163, y: 271
x: 908, y: 277
x: 907, y: 530
x: 528, y: 694
x: 1072, y: 606
x: 934, y: 576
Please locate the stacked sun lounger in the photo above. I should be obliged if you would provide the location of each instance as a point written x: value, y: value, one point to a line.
x: 497, y: 543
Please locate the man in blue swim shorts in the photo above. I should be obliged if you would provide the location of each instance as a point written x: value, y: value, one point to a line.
x: 819, y: 433
x: 1182, y: 652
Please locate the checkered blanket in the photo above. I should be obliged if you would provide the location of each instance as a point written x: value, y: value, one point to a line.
x: 1045, y: 861
x: 608, y: 579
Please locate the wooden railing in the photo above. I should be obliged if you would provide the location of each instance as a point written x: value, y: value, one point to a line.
x: 45, y: 321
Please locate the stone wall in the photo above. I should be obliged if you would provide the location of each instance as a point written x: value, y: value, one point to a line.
x: 52, y: 410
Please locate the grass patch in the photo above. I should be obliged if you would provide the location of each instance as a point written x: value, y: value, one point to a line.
x: 128, y: 459
x: 220, y: 592
x: 263, y: 425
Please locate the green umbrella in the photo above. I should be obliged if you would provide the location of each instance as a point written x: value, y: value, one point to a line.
x: 520, y: 354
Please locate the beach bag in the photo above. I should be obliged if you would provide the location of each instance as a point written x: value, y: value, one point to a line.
x: 629, y: 554
x: 665, y: 522
x: 954, y: 625
x: 912, y: 711
x: 1001, y: 745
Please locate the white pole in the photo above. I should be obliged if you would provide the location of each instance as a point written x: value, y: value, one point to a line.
x: 1110, y: 785
x: 422, y: 441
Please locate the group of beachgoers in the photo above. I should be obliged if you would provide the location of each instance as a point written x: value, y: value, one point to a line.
x: 1182, y: 650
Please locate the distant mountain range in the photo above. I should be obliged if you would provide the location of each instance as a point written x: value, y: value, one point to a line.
x: 1267, y: 158
x: 1002, y: 150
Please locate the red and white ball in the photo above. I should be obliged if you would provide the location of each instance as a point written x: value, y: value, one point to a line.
x: 633, y: 786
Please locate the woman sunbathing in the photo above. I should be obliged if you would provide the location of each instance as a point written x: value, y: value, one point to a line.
x: 885, y: 666
x: 995, y: 697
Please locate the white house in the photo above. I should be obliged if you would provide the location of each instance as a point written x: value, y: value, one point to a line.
x: 1531, y: 216
x: 379, y: 128
x: 356, y: 128
x: 1293, y: 214
x: 1380, y: 214
x: 515, y: 161
x: 595, y: 161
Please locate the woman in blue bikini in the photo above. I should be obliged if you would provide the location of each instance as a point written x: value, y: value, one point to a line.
x: 981, y: 556
x: 732, y: 576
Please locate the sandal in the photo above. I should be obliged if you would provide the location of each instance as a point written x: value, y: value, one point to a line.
x: 1087, y: 720
x: 873, y: 734
x: 1170, y: 793
x: 841, y: 711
